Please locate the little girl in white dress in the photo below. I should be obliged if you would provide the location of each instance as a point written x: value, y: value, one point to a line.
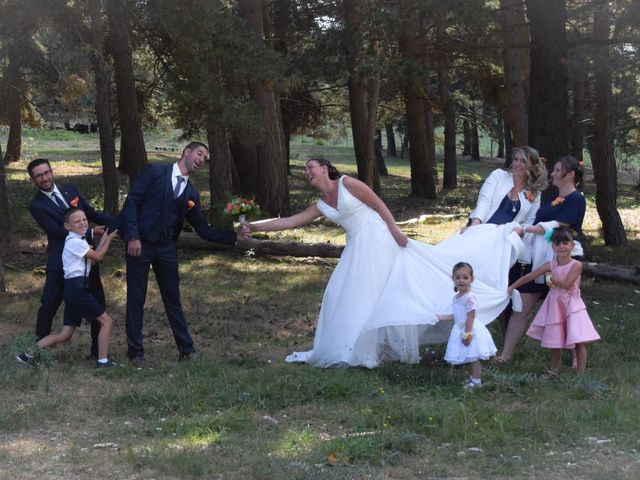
x: 470, y: 341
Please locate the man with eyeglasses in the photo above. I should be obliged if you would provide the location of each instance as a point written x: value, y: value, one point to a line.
x: 48, y: 209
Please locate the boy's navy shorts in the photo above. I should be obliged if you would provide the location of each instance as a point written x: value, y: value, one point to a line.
x: 78, y: 298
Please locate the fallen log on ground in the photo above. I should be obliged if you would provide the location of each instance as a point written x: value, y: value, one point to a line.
x: 621, y: 273
x: 188, y: 240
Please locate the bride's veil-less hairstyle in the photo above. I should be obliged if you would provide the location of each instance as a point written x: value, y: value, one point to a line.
x: 334, y: 174
x: 537, y: 173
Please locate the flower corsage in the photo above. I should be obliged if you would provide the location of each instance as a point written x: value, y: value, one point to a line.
x: 466, y: 336
x: 74, y: 201
x: 557, y: 201
x: 531, y: 196
x: 190, y: 204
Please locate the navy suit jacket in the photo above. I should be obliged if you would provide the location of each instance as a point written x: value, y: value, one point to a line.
x: 50, y: 217
x: 152, y: 194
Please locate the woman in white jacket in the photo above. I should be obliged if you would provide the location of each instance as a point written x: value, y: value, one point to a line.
x: 512, y: 196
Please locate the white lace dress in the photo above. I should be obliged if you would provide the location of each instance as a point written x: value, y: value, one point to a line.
x: 382, y: 299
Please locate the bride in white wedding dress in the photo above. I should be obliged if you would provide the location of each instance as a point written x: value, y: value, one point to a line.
x: 383, y: 296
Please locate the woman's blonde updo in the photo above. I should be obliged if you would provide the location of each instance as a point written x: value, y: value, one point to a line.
x: 537, y: 172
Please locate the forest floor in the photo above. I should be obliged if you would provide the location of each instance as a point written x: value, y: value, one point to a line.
x: 238, y: 412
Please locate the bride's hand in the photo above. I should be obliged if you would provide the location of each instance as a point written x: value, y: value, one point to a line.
x: 400, y: 238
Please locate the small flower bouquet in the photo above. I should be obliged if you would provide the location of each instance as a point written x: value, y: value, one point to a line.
x: 242, y: 208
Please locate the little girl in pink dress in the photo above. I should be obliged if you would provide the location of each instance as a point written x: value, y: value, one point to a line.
x: 562, y: 321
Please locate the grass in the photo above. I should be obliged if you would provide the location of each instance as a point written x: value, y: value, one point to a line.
x: 238, y: 412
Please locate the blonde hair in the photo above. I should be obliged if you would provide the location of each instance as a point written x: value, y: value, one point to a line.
x: 537, y: 172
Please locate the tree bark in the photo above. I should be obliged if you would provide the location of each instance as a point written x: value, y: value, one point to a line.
x: 516, y: 67
x: 103, y: 108
x: 500, y: 134
x: 423, y: 181
x: 364, y: 94
x: 548, y: 97
x: 475, y: 137
x: 380, y: 165
x: 604, y: 163
x: 5, y: 222
x: 508, y: 145
x: 273, y: 193
x: 133, y: 155
x: 466, y: 137
x: 579, y: 114
x: 220, y: 168
x: 450, y: 172
x: 392, y: 150
x: 13, y: 78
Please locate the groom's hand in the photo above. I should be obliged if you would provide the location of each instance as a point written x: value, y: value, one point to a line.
x: 134, y: 248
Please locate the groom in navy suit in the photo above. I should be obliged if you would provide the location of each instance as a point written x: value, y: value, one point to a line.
x: 152, y: 218
x: 48, y: 208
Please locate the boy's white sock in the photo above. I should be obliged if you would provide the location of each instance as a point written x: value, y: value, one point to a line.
x: 475, y: 381
x: 103, y: 360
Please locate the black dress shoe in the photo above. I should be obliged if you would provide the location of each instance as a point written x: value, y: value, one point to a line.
x: 186, y: 356
x: 137, y: 361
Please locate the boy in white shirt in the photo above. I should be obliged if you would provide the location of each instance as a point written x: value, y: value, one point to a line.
x: 77, y: 258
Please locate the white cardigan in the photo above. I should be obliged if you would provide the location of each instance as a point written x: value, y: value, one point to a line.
x: 493, y: 191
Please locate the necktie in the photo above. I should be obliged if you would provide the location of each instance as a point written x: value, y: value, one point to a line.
x: 176, y: 190
x: 58, y: 201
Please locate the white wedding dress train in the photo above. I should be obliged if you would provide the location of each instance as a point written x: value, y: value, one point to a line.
x: 382, y: 299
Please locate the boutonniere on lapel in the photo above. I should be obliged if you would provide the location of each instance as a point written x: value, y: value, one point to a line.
x: 74, y: 201
x: 531, y: 196
x: 557, y: 201
x: 190, y: 204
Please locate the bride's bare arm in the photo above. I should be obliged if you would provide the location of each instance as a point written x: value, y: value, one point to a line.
x: 361, y: 191
x: 299, y: 219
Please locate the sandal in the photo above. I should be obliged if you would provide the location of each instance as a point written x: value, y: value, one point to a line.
x: 550, y: 375
x: 499, y: 360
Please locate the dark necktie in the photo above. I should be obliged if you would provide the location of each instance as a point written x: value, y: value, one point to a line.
x: 176, y: 190
x: 58, y: 201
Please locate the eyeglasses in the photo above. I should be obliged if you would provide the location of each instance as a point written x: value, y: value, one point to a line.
x: 43, y: 174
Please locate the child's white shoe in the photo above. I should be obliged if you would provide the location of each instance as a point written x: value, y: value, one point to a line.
x: 472, y: 382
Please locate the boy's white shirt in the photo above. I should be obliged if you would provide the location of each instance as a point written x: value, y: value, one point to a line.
x: 74, y: 256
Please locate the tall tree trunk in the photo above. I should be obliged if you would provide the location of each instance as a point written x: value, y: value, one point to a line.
x: 450, y: 172
x: 423, y: 181
x: 405, y: 144
x: 548, y: 97
x: 380, y: 165
x: 282, y: 11
x: 579, y: 103
x: 245, y: 161
x: 392, y: 150
x: 604, y: 163
x: 516, y: 67
x: 103, y: 109
x: 500, y: 134
x: 133, y: 155
x: 475, y: 137
x: 15, y: 84
x: 5, y: 223
x: 364, y: 93
x: 220, y: 168
x: 273, y: 193
x: 508, y: 145
x: 466, y: 136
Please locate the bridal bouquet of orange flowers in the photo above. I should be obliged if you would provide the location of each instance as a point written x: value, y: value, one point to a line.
x: 242, y: 208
